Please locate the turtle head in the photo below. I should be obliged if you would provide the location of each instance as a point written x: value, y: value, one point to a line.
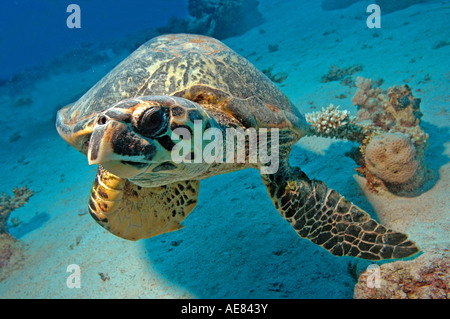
x: 134, y: 138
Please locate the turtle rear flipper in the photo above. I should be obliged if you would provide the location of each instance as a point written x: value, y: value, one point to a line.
x: 326, y: 218
x: 133, y: 212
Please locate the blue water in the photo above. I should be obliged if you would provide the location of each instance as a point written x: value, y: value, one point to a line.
x: 235, y: 245
x: 34, y: 32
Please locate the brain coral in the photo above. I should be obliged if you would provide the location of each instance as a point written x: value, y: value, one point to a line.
x: 392, y: 158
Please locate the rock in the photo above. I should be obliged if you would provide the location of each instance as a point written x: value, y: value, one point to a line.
x: 426, y: 277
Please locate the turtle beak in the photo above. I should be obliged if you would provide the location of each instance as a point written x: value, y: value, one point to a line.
x: 115, y: 146
x: 100, y: 149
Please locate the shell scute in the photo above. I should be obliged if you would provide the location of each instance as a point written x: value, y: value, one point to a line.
x: 190, y: 66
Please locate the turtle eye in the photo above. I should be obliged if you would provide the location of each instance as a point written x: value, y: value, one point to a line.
x: 152, y: 122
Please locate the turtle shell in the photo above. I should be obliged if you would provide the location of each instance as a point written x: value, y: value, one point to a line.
x: 195, y: 67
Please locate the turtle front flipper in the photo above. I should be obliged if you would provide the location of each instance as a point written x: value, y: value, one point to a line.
x: 133, y: 212
x: 326, y: 218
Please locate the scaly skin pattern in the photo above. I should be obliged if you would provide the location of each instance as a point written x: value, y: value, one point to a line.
x: 133, y: 213
x: 326, y: 218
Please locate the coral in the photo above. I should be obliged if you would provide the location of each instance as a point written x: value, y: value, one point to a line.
x: 217, y: 18
x: 8, y: 204
x: 392, y: 158
x: 387, y: 127
x: 393, y: 110
x: 395, y: 116
x: 336, y: 73
x: 427, y: 277
x: 363, y: 93
x: 335, y: 123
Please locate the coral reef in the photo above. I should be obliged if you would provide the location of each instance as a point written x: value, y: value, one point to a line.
x: 387, y: 127
x: 8, y: 204
x: 396, y: 137
x: 391, y: 6
x: 217, y: 18
x: 427, y: 277
x: 396, y: 109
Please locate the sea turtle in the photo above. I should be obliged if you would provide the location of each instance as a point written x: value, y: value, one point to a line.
x: 127, y: 124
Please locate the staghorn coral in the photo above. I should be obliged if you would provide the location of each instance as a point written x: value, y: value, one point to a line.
x: 8, y: 204
x: 335, y: 123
